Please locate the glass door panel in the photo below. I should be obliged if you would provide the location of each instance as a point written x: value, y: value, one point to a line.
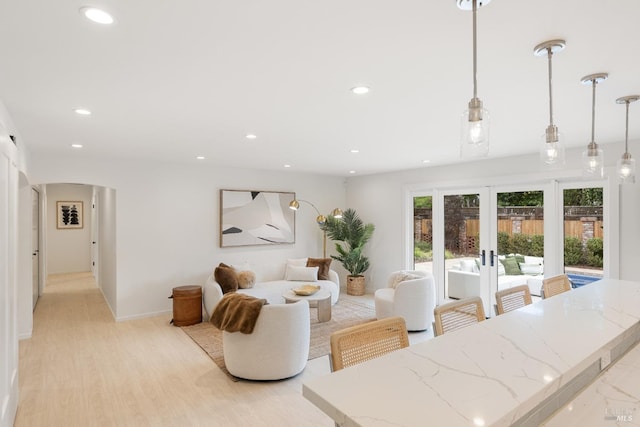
x: 423, y: 233
x: 460, y: 254
x: 520, y: 239
x: 583, y: 234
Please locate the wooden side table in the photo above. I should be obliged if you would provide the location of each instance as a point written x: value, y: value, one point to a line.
x: 187, y: 305
x: 322, y: 299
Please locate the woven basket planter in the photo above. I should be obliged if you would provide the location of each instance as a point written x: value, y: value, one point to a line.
x: 355, y: 285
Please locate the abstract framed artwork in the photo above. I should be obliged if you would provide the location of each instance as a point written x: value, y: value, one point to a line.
x: 69, y: 215
x: 250, y: 217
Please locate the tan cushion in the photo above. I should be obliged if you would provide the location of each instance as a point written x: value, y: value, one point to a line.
x: 323, y: 265
x: 226, y: 277
x: 246, y: 279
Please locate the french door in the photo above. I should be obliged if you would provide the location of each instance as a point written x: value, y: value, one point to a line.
x: 474, y: 231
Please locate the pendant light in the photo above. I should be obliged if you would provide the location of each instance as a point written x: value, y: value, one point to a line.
x: 627, y: 165
x: 474, y: 138
x: 552, y: 149
x: 592, y: 157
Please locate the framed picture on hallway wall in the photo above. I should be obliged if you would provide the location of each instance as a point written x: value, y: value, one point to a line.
x: 252, y: 217
x: 69, y: 215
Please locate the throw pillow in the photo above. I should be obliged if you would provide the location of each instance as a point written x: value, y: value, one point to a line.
x: 401, y: 277
x: 467, y: 265
x: 323, y: 266
x: 297, y: 262
x: 511, y: 267
x: 518, y: 257
x: 246, y: 279
x: 307, y: 274
x: 226, y: 277
x: 531, y: 269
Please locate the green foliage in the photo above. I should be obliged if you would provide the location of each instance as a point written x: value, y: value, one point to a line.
x: 594, y: 252
x: 504, y: 243
x: 422, y: 202
x: 572, y: 251
x: 520, y: 198
x: 354, y: 234
x: 537, y: 245
x: 521, y: 244
x: 423, y: 245
x: 583, y: 197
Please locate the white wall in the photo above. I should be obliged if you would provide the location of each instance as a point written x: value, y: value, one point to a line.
x: 106, y: 240
x: 68, y: 250
x: 379, y: 199
x: 167, y: 221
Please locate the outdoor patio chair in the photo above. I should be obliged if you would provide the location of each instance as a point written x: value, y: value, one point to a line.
x: 512, y: 298
x: 360, y: 343
x: 458, y: 314
x: 555, y: 285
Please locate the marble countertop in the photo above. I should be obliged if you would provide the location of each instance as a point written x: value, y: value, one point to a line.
x: 612, y: 400
x: 490, y: 374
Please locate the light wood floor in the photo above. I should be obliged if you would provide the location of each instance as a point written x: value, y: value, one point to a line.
x: 81, y: 368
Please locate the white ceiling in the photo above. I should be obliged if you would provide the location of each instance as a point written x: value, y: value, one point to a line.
x: 173, y: 79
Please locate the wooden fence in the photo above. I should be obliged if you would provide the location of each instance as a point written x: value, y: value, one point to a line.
x: 583, y: 228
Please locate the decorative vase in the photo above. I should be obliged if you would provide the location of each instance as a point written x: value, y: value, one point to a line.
x: 355, y: 285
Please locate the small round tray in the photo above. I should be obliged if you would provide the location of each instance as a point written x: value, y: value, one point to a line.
x: 306, y: 290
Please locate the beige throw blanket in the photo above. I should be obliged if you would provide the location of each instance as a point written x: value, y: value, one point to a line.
x: 237, y: 312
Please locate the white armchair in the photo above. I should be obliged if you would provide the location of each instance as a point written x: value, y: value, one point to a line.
x: 277, y: 348
x: 409, y: 294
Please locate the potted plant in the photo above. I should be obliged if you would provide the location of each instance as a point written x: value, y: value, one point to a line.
x: 354, y: 234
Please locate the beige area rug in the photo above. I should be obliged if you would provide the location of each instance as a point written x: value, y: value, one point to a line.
x: 344, y: 313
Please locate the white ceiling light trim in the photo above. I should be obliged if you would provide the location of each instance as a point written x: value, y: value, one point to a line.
x: 96, y: 15
x: 360, y: 90
x: 82, y: 112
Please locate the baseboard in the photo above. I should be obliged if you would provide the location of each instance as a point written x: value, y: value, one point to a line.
x: 143, y: 315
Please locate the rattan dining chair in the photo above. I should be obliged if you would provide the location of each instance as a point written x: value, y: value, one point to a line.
x: 457, y: 314
x: 555, y: 285
x: 360, y: 343
x: 512, y: 298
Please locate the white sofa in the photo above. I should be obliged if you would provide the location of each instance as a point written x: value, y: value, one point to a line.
x: 273, y: 287
x: 464, y: 279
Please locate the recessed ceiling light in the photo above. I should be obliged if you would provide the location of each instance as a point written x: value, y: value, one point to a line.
x: 355, y: 151
x: 200, y: 157
x: 250, y: 136
x: 76, y: 145
x: 287, y: 166
x: 352, y: 172
x: 82, y: 111
x: 96, y: 15
x: 360, y: 90
x: 426, y: 161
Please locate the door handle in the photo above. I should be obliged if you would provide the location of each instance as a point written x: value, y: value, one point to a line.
x: 483, y: 257
x: 491, y: 255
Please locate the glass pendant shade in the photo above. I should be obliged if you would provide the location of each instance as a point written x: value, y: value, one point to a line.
x: 552, y: 149
x: 593, y: 157
x: 626, y: 166
x: 593, y: 162
x: 474, y: 138
x: 474, y: 125
x: 627, y: 169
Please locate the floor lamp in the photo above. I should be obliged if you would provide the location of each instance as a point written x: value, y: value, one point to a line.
x: 320, y: 219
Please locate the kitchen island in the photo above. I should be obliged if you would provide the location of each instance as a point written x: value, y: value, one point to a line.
x: 515, y: 369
